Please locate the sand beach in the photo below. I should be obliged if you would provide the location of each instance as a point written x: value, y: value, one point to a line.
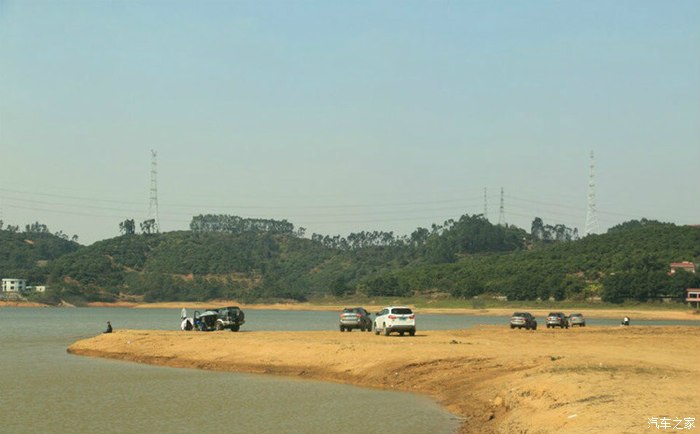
x: 497, y: 380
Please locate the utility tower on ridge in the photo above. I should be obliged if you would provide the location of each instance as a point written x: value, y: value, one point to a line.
x: 153, y: 204
x: 501, y: 212
x: 591, y: 215
x: 486, y: 208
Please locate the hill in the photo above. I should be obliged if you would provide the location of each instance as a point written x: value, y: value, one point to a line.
x: 28, y: 254
x: 251, y: 259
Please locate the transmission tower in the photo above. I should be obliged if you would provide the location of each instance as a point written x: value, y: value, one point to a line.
x: 153, y: 204
x: 591, y: 215
x: 486, y: 207
x: 501, y: 212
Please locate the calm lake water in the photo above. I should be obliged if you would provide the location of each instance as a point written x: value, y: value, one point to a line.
x: 45, y: 390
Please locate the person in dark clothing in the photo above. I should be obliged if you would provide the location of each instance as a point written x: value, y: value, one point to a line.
x: 109, y: 327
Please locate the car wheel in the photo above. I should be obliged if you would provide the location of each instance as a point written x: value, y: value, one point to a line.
x: 512, y: 326
x: 342, y: 329
x: 412, y: 332
x: 376, y: 331
x: 387, y: 332
x: 219, y: 326
x: 400, y: 333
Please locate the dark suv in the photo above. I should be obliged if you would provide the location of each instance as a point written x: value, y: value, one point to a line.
x: 523, y: 319
x: 355, y: 318
x: 222, y: 318
x: 557, y: 319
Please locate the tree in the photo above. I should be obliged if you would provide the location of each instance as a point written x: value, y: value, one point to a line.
x: 128, y: 227
x: 148, y: 226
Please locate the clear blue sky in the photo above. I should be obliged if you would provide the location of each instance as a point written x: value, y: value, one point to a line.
x: 348, y: 116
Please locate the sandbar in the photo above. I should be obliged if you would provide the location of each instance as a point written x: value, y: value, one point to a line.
x: 497, y: 380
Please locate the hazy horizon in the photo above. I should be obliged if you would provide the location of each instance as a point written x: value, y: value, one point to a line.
x: 347, y: 117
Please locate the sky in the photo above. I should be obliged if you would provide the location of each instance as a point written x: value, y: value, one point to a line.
x: 348, y: 116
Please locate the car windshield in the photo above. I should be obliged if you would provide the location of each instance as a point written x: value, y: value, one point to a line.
x: 518, y: 314
x: 402, y: 311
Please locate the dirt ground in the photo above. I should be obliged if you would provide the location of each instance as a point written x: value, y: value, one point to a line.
x: 593, y: 379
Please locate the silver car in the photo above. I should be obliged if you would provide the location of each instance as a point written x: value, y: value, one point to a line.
x: 577, y: 319
x: 355, y: 318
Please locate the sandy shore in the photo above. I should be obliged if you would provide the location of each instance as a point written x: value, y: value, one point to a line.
x: 4, y: 303
x: 594, y: 379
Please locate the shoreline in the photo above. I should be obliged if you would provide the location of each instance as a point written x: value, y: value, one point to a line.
x: 540, y: 313
x: 594, y: 379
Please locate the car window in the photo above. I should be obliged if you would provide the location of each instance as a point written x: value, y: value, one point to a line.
x: 402, y: 311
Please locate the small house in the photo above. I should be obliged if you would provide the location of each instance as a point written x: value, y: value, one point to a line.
x: 685, y: 265
x: 14, y: 285
x: 692, y: 296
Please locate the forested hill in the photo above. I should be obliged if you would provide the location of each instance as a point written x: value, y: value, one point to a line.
x: 252, y: 259
x: 28, y: 254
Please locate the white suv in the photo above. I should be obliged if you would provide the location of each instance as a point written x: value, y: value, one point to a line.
x: 399, y: 319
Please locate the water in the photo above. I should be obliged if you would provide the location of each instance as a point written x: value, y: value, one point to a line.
x: 45, y: 390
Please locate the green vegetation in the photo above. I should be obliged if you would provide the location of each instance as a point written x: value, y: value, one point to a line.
x: 255, y: 259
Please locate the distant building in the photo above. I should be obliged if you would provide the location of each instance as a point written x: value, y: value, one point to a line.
x: 685, y: 265
x: 692, y: 296
x: 40, y: 288
x: 14, y: 285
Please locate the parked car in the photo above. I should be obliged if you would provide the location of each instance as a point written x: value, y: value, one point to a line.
x: 222, y: 318
x: 577, y: 319
x: 399, y: 319
x: 205, y: 321
x: 230, y: 317
x: 523, y: 319
x: 557, y: 319
x: 355, y: 318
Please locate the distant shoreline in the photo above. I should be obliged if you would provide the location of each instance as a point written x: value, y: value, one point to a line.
x: 634, y: 314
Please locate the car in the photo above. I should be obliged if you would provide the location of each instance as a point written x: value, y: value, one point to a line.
x: 399, y: 319
x: 229, y: 317
x: 523, y: 319
x: 222, y: 318
x: 557, y: 319
x: 355, y: 318
x: 577, y: 319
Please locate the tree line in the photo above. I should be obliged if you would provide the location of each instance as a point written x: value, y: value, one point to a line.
x: 248, y: 259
